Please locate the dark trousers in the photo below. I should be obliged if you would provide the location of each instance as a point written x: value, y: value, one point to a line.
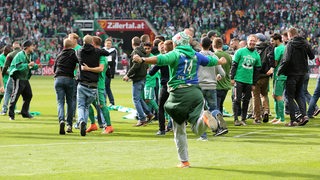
x: 20, y: 87
x: 242, y: 91
x: 221, y: 96
x: 162, y: 100
x: 108, y: 90
x: 294, y: 90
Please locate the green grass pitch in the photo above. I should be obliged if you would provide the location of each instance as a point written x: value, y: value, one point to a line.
x: 33, y: 149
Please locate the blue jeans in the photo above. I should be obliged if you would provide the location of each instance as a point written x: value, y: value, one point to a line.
x: 64, y: 90
x: 139, y: 104
x: 314, y: 99
x: 85, y: 96
x: 210, y: 95
x: 7, y: 95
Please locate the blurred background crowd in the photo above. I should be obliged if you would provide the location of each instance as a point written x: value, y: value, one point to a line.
x: 47, y: 22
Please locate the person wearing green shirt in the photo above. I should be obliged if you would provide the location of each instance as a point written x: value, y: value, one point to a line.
x: 223, y: 85
x: 185, y: 102
x: 278, y: 81
x: 7, y: 49
x: 74, y: 38
x: 100, y: 101
x: 20, y: 71
x: 9, y: 86
x: 244, y: 72
x: 149, y: 87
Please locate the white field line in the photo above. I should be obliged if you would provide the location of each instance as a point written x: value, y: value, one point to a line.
x: 252, y: 132
x: 273, y: 129
x: 75, y: 143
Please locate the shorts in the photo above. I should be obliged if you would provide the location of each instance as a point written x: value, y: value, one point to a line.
x: 149, y: 92
x: 278, y: 87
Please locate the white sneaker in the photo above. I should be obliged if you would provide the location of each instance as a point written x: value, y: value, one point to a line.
x: 279, y: 122
x: 202, y: 139
x: 274, y: 120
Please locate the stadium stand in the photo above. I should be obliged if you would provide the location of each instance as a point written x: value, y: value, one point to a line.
x: 48, y: 21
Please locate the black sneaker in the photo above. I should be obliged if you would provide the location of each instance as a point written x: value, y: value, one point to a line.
x: 257, y: 121
x: 316, y: 112
x: 298, y: 116
x: 265, y: 118
x: 221, y: 131
x: 62, y: 125
x: 303, y: 121
x: 161, y: 133
x: 11, y: 118
x: 29, y: 116
x: 82, y: 128
x: 249, y: 116
x: 69, y: 129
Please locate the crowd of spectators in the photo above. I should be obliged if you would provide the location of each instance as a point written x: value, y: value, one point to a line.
x: 48, y: 21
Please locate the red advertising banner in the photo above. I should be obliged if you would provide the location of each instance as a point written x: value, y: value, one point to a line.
x: 124, y: 25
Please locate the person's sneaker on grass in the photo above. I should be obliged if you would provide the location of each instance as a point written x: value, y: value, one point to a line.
x: 303, y: 121
x: 92, y: 127
x: 256, y: 121
x: 61, y: 129
x: 185, y: 164
x: 221, y: 131
x: 3, y: 113
x: 316, y: 112
x: 161, y: 133
x: 243, y: 122
x: 237, y: 123
x: 29, y: 116
x: 108, y: 130
x: 150, y: 117
x: 210, y: 121
x: 69, y: 129
x: 291, y: 124
x: 274, y: 120
x: 265, y: 118
x: 278, y: 122
x: 82, y: 128
x: 202, y: 138
x: 11, y: 118
x: 140, y: 123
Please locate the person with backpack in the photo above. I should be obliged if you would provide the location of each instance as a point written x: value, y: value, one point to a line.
x: 260, y: 93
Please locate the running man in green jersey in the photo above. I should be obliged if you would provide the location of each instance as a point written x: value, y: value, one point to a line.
x: 185, y: 102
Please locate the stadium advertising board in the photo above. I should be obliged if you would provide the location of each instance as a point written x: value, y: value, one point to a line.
x: 124, y: 25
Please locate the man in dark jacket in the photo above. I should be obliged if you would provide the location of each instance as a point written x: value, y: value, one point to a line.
x: 88, y: 80
x: 260, y: 93
x: 295, y: 65
x: 63, y: 69
x: 137, y: 73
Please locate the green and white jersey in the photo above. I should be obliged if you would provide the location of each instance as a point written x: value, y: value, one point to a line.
x: 151, y: 80
x: 247, y: 60
x: 102, y: 75
x: 183, y: 64
x: 76, y: 69
x: 278, y: 53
